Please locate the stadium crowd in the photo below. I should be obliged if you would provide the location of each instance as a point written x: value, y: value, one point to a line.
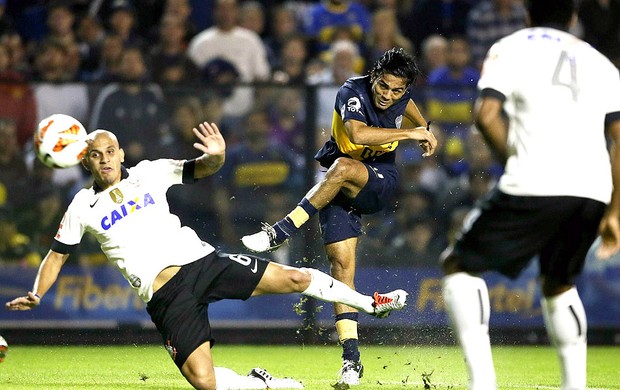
x: 266, y: 72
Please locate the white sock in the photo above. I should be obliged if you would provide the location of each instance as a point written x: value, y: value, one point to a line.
x: 326, y: 288
x: 566, y: 324
x: 467, y: 303
x: 227, y: 379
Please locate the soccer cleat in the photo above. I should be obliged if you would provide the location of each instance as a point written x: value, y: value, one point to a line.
x: 275, y: 383
x: 350, y: 373
x: 385, y: 303
x: 264, y: 241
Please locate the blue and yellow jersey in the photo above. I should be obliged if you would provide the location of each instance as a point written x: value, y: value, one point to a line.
x: 354, y: 101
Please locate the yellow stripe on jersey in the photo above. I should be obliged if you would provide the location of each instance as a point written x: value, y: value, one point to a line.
x: 358, y: 152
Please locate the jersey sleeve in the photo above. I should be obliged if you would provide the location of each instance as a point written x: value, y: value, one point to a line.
x: 498, y: 63
x: 349, y: 105
x: 70, y: 230
x: 166, y: 172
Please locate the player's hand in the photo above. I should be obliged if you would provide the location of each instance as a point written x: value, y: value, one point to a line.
x: 23, y: 303
x: 211, y: 140
x: 609, y: 230
x: 426, y: 139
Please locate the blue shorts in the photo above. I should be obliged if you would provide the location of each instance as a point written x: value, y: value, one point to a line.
x: 342, y: 217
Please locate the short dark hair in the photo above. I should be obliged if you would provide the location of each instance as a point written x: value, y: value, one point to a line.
x: 550, y: 12
x: 398, y: 63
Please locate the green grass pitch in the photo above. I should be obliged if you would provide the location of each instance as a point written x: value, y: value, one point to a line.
x: 386, y: 367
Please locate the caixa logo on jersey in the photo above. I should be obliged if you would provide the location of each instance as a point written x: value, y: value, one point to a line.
x: 125, y: 209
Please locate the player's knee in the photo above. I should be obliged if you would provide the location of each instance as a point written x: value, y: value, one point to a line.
x: 340, y: 169
x: 551, y: 287
x: 300, y: 279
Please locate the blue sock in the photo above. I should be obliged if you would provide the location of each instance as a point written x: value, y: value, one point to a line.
x: 286, y: 227
x: 350, y: 347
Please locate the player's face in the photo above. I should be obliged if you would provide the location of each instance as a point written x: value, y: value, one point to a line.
x: 103, y: 159
x: 387, y: 90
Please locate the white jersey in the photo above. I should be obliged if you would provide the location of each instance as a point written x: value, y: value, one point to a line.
x: 133, y: 224
x: 558, y: 91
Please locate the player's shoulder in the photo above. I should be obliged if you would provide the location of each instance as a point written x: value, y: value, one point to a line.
x: 83, y: 197
x: 358, y: 84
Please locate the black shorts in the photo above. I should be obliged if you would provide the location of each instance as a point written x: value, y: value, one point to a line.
x: 504, y: 233
x: 179, y: 309
x: 342, y: 217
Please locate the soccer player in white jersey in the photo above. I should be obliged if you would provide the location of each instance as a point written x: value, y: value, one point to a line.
x: 549, y: 105
x: 167, y: 264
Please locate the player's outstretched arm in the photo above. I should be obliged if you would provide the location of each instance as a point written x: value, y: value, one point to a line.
x: 48, y: 272
x: 213, y: 147
x: 609, y: 229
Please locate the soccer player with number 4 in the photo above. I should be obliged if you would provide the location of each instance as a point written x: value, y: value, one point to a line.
x: 549, y: 106
x: 176, y: 273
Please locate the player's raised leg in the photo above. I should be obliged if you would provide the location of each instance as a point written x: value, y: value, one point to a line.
x: 281, y: 279
x: 345, y: 174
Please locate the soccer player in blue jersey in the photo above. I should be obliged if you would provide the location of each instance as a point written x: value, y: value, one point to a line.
x: 372, y: 114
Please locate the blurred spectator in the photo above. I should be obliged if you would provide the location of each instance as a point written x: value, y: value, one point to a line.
x: 287, y: 118
x: 491, y: 20
x: 600, y: 20
x: 341, y: 67
x: 59, y: 22
x: 326, y: 21
x: 13, y: 170
x: 134, y: 109
x: 451, y: 90
x: 19, y: 61
x: 226, y: 42
x: 239, y: 46
x: 254, y: 170
x: 55, y: 92
x: 123, y: 22
x: 417, y: 243
x: 40, y: 221
x: 91, y: 35
x: 252, y: 17
x: 7, y: 25
x: 50, y: 62
x: 343, y: 56
x: 182, y: 10
x: 291, y: 64
x: 169, y: 62
x: 15, y: 247
x: 109, y: 60
x: 429, y: 17
x: 384, y: 35
x: 283, y: 25
x: 16, y: 99
x: 434, y: 56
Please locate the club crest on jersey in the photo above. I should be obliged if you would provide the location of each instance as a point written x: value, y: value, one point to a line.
x: 116, y: 195
x: 399, y: 121
x: 125, y: 209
